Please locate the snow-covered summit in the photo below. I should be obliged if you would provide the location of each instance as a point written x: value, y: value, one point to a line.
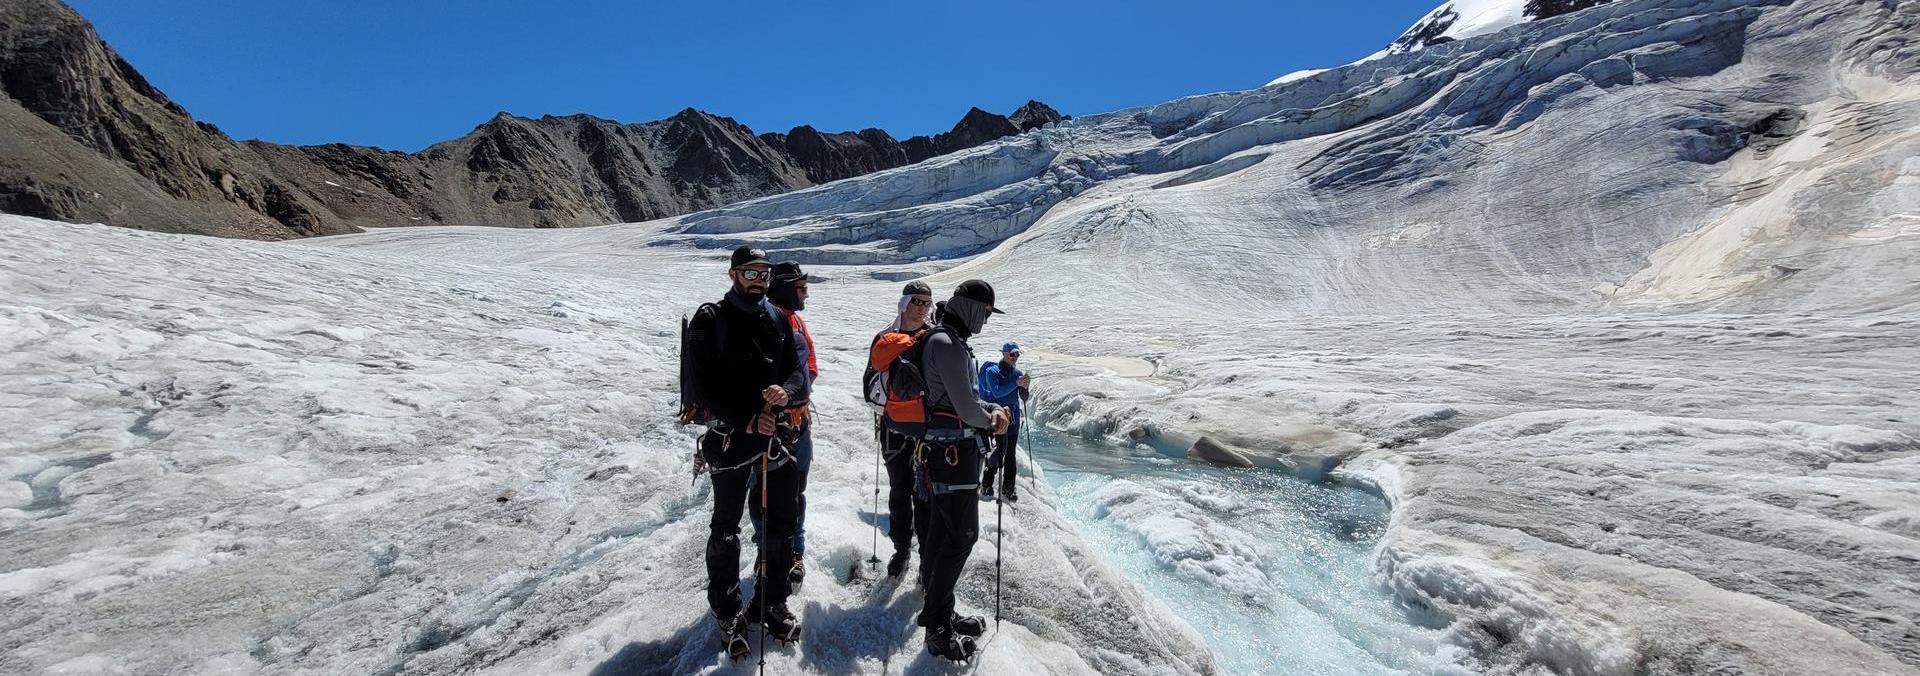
x: 1461, y: 19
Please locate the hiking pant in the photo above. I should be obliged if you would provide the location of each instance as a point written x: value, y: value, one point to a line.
x: 803, y: 457
x: 902, y: 503
x: 1003, y: 462
x: 950, y: 525
x: 730, y: 498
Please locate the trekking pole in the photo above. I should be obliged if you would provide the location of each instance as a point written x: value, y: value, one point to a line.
x: 760, y: 583
x: 874, y: 560
x: 1026, y: 430
x: 999, y: 530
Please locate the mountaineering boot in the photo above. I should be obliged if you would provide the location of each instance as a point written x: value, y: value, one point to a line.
x: 1009, y: 495
x: 986, y: 491
x: 943, y: 642
x: 797, y: 573
x: 779, y: 624
x: 733, y: 635
x: 897, y: 564
x: 968, y: 625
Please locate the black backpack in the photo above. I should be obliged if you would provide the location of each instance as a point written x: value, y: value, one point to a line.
x: 905, y: 377
x: 693, y: 408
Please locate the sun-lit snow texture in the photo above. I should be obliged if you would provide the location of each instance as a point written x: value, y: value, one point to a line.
x: 234, y: 457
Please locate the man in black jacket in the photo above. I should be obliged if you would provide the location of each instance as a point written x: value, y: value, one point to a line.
x: 744, y: 368
x: 948, y: 466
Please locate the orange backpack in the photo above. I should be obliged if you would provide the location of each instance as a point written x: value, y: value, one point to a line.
x: 892, y: 380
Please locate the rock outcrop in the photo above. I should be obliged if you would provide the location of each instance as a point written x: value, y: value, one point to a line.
x: 831, y: 157
x: 1035, y: 115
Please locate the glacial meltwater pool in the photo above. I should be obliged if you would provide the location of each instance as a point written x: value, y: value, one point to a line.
x: 1276, y: 573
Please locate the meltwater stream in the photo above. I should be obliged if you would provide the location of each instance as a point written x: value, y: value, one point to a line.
x: 1275, y: 572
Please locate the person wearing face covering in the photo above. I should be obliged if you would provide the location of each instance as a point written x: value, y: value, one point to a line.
x: 948, y: 466
x: 743, y: 368
x: 901, y: 421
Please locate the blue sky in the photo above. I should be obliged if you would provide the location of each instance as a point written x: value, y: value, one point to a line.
x: 403, y: 74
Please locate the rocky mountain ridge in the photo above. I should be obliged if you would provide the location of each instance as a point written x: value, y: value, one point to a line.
x: 90, y: 140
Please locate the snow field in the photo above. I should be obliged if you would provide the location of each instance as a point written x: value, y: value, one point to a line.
x: 333, y: 458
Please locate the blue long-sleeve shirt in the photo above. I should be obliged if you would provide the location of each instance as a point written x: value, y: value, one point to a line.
x: 1001, y: 386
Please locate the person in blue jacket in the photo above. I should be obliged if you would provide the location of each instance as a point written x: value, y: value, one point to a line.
x: 1002, y: 383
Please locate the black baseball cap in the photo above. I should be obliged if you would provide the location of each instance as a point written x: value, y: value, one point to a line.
x: 747, y: 254
x: 977, y: 290
x: 788, y: 272
x: 917, y: 289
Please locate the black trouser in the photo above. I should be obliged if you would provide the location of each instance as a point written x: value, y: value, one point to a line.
x: 1003, y: 461
x: 803, y: 458
x: 902, y: 503
x: 949, y: 523
x: 730, y: 496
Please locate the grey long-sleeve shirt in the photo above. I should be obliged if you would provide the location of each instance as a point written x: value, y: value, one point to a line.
x: 949, y: 372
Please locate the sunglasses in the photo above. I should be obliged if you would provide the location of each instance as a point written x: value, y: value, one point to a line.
x: 916, y: 302
x: 752, y: 275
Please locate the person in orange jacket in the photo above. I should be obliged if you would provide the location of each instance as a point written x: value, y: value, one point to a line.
x: 901, y: 421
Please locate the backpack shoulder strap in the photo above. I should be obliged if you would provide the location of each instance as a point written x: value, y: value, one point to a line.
x: 713, y: 314
x: 783, y: 318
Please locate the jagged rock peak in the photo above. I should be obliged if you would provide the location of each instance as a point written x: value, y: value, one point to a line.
x: 1034, y: 115
x: 976, y: 117
x: 578, y: 118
